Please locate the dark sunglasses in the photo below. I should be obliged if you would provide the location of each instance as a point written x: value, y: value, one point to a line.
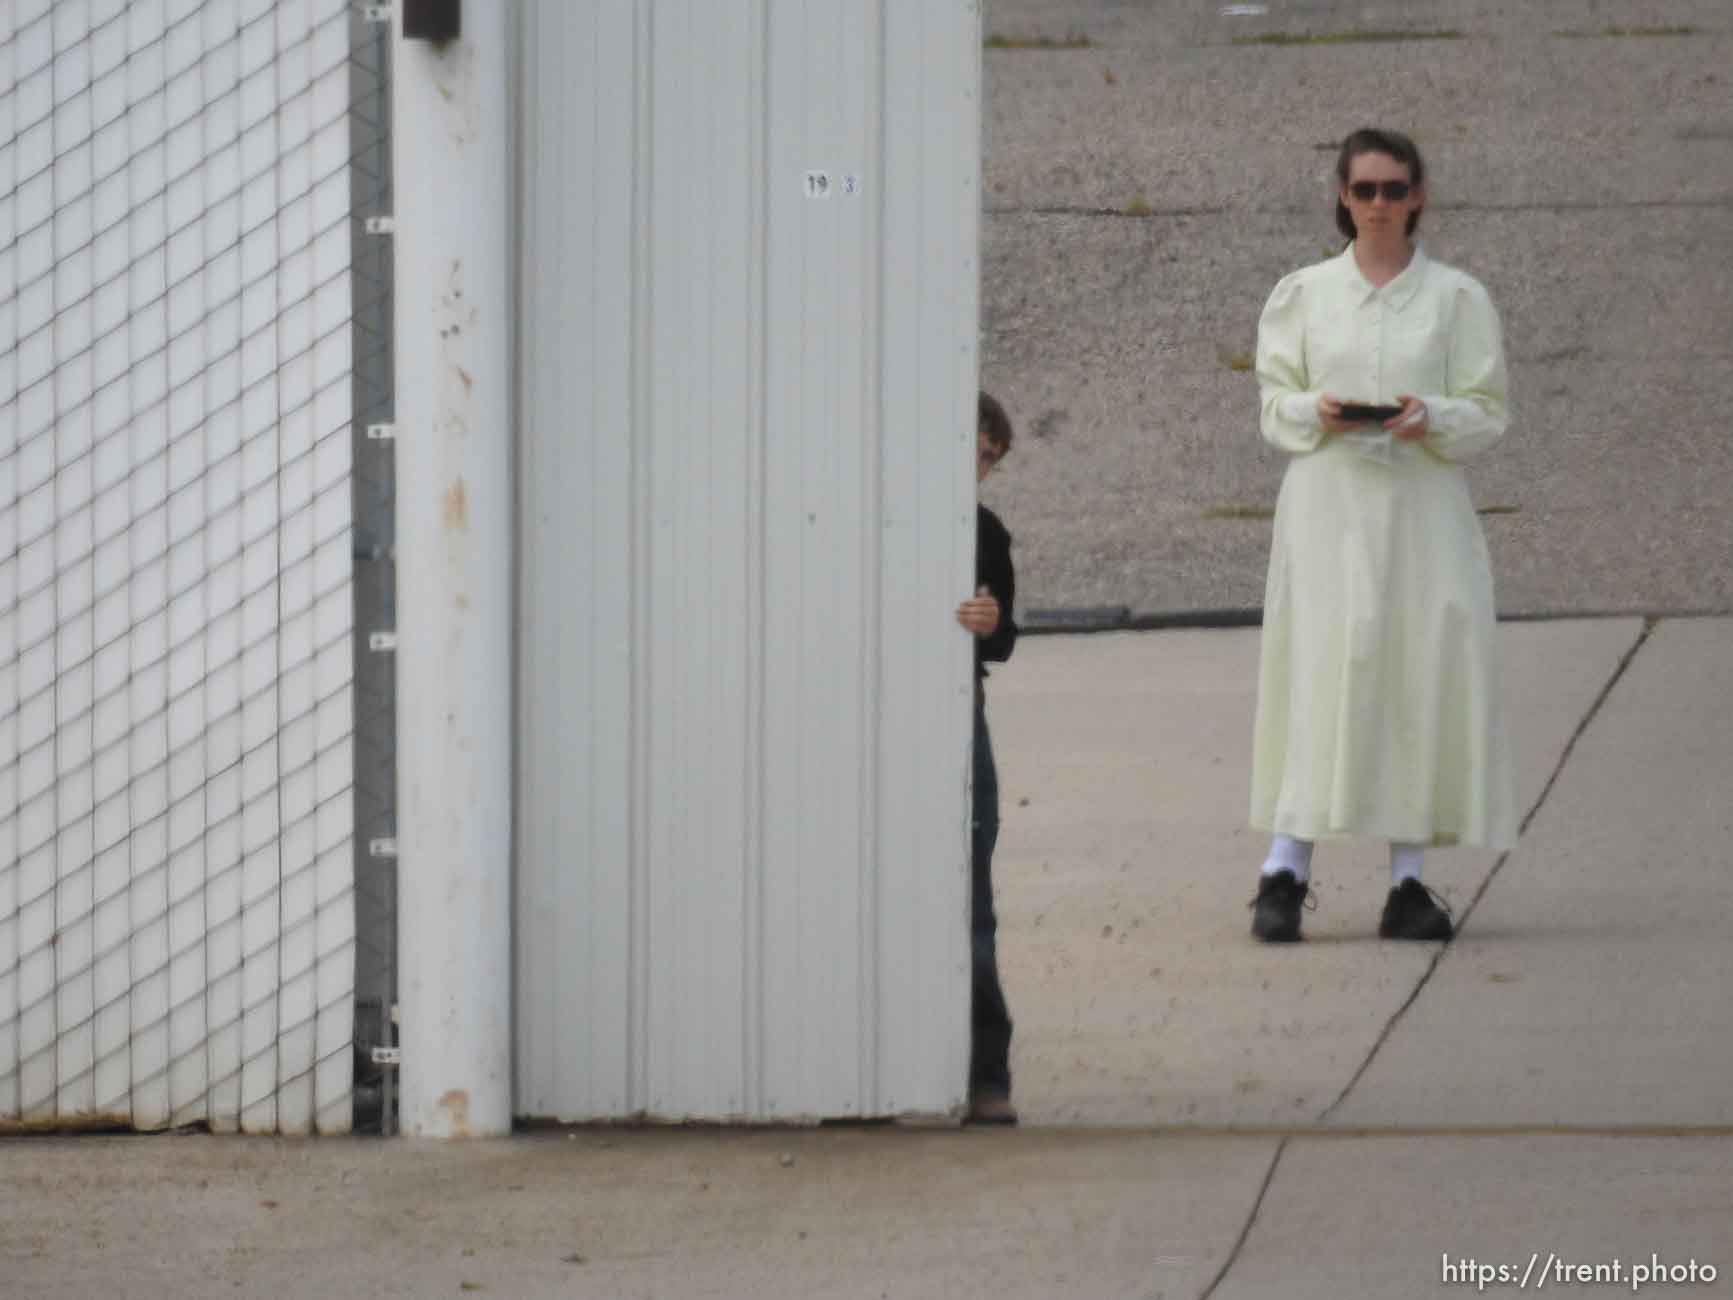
x: 1366, y: 191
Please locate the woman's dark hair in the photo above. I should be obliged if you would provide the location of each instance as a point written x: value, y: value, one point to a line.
x: 993, y: 421
x: 1370, y: 139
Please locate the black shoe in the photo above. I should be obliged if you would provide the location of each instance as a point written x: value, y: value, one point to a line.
x: 1276, y: 909
x: 1414, y: 912
x: 990, y: 1106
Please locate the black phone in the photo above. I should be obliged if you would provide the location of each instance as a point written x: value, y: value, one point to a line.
x: 1367, y: 413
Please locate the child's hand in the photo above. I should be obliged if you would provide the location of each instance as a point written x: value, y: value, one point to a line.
x: 980, y: 613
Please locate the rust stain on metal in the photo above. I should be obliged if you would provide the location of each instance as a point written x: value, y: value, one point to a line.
x: 456, y: 1104
x: 453, y: 315
x: 455, y: 509
x: 454, y: 74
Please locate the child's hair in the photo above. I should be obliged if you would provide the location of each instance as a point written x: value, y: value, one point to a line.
x: 994, y: 422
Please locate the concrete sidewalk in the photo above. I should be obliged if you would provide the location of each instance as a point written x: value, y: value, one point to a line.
x: 1205, y: 1116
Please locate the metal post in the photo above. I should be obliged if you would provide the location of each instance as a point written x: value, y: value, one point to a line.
x: 452, y: 179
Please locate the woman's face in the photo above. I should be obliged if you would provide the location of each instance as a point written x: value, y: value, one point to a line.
x: 1380, y: 197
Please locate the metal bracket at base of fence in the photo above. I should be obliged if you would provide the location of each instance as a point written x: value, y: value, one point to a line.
x: 389, y: 1059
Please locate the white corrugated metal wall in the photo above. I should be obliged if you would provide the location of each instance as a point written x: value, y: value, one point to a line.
x: 176, y: 911
x: 748, y: 357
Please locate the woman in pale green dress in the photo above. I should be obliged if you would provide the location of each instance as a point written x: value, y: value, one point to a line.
x: 1377, y: 698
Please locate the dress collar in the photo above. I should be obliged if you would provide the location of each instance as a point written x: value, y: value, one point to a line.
x: 1399, y: 292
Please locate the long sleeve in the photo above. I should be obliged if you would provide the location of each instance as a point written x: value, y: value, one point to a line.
x: 1474, y: 413
x: 993, y: 570
x: 1289, y: 415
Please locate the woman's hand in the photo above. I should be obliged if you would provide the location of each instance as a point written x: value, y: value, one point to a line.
x: 980, y: 613
x: 1330, y: 415
x: 1411, y: 425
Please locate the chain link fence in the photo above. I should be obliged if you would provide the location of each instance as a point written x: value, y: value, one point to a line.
x: 195, y: 545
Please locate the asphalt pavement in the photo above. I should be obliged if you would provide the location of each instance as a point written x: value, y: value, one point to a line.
x: 1148, y: 182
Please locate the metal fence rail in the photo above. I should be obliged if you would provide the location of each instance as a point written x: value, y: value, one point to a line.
x: 375, y: 496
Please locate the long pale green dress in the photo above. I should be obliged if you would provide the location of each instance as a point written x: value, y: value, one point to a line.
x: 1377, y: 693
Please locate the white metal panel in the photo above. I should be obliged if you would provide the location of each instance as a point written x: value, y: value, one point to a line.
x: 747, y: 499
x: 176, y: 930
x: 575, y: 904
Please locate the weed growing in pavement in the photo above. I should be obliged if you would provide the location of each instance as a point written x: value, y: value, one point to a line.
x: 1355, y: 37
x: 1627, y: 31
x: 1074, y: 41
x: 1269, y: 512
x: 1240, y: 512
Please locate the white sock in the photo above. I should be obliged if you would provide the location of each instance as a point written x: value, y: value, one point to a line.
x: 1405, y: 860
x: 1289, y: 854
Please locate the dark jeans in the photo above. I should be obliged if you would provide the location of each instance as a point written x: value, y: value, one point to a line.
x: 990, y: 1042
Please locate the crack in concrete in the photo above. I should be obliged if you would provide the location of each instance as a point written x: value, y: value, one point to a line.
x: 1251, y: 1221
x: 1594, y: 709
x: 1303, y: 1135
